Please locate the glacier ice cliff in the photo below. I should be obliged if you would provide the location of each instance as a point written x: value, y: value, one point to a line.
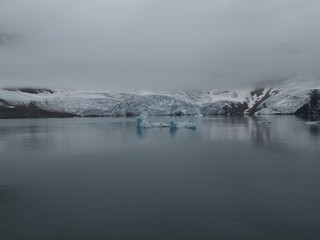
x: 298, y: 95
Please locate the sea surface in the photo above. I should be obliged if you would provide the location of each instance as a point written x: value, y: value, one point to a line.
x: 102, y: 178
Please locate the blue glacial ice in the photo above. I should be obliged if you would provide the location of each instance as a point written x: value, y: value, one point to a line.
x: 142, y: 122
x: 174, y: 124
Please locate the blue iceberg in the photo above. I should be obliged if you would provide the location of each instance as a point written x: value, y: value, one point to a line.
x: 174, y: 124
x: 142, y: 122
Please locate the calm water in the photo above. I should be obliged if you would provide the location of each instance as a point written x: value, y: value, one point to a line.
x: 101, y: 178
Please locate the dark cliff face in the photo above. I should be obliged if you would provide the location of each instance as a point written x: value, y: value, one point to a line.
x: 257, y: 106
x: 238, y: 109
x: 31, y: 111
x: 313, y: 107
x: 228, y: 109
x: 31, y: 90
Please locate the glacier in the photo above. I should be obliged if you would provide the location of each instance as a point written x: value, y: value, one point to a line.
x: 117, y: 104
x: 296, y: 95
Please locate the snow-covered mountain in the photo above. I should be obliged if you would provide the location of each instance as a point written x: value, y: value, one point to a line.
x: 300, y: 95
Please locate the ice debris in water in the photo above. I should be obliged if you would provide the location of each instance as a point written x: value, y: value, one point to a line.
x: 142, y: 122
x: 174, y: 124
x: 199, y: 115
x: 157, y: 124
x: 312, y: 123
x: 263, y: 122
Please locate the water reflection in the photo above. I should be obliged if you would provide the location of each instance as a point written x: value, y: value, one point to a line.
x: 28, y: 138
x: 173, y: 132
x: 8, y: 197
x: 102, y: 178
x: 277, y: 132
x: 315, y: 130
x: 142, y: 133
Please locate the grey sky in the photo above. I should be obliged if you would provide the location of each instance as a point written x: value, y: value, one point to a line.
x: 151, y: 44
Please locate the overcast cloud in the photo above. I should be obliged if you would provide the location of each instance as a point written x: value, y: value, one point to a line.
x: 152, y: 44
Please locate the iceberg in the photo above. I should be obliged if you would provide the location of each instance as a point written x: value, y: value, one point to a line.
x: 174, y: 124
x: 142, y: 122
x: 190, y: 125
x: 199, y: 115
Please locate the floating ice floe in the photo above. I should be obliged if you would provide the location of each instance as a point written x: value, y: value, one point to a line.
x: 157, y: 124
x: 174, y: 124
x: 142, y: 122
x: 313, y: 123
x: 199, y: 115
x: 263, y: 122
